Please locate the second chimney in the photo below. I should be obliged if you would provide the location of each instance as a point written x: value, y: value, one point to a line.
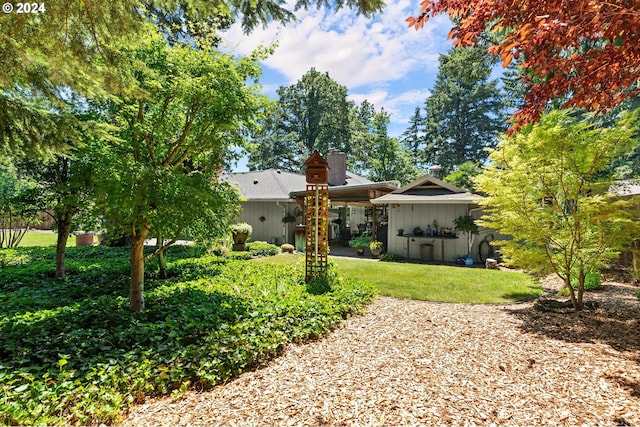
x: 435, y: 171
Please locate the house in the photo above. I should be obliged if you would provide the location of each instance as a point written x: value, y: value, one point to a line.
x: 270, y: 195
x: 266, y: 201
x: 422, y: 207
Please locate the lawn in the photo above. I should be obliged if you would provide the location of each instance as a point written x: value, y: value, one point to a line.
x: 453, y: 284
x: 43, y: 238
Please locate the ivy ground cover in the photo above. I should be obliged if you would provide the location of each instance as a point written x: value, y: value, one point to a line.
x: 70, y: 352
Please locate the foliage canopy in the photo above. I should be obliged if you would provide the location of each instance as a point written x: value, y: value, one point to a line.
x: 547, y: 187
x: 566, y: 49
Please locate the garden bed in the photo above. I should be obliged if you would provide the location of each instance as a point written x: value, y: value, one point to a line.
x: 70, y: 352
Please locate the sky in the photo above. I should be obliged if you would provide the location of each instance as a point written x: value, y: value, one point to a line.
x: 378, y: 59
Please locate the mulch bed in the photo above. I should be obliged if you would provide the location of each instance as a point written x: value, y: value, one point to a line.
x: 406, y: 362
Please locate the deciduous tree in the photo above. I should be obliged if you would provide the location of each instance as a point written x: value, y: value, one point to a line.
x: 547, y: 187
x: 585, y: 52
x: 161, y: 172
x: 312, y: 114
x: 16, y: 211
x: 62, y: 191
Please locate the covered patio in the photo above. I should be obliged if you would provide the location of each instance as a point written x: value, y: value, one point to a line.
x: 352, y: 213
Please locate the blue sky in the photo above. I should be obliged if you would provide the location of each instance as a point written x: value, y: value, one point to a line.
x: 378, y: 59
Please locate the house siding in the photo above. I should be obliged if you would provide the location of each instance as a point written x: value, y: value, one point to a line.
x: 408, y: 217
x: 272, y: 229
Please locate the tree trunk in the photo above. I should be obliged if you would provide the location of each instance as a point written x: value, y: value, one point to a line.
x: 576, y: 300
x: 162, y: 265
x: 136, y: 287
x: 64, y: 228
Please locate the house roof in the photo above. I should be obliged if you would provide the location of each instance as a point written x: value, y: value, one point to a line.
x: 428, y: 190
x: 277, y: 185
x: 629, y: 187
x: 355, y: 193
x: 266, y: 185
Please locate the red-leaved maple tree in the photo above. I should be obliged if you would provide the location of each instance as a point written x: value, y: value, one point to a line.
x: 587, y: 51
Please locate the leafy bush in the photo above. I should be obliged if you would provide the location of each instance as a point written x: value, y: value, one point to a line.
x: 391, y: 257
x: 262, y: 249
x: 360, y: 242
x: 240, y: 255
x: 592, y: 281
x: 287, y: 248
x: 70, y: 352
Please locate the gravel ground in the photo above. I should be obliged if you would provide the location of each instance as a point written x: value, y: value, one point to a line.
x: 405, y: 362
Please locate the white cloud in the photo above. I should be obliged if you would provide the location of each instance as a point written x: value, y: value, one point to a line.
x: 354, y: 50
x: 379, y: 59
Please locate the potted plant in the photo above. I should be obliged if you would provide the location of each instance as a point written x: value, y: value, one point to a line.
x: 376, y: 248
x: 289, y: 217
x: 466, y: 224
x: 240, y: 233
x: 86, y: 227
x: 360, y: 243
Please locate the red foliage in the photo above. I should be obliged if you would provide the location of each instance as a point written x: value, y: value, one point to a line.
x: 586, y: 50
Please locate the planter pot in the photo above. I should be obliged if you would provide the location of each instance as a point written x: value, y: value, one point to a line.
x: 376, y: 252
x: 85, y: 239
x: 240, y: 238
x: 360, y: 251
x: 238, y: 247
x: 468, y: 261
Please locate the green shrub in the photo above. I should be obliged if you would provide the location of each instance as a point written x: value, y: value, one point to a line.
x: 287, y: 248
x: 70, y: 352
x: 362, y: 241
x: 238, y: 255
x: 391, y: 257
x: 592, y: 281
x: 262, y: 249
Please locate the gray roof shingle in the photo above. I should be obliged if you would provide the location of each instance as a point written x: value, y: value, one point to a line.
x: 270, y: 184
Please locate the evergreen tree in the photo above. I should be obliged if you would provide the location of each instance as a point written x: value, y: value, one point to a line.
x: 465, y: 112
x: 412, y: 138
x: 362, y: 129
x: 388, y: 160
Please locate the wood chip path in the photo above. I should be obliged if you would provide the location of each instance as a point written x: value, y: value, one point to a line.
x: 407, y: 362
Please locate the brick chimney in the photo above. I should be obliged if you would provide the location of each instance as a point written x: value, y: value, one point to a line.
x: 337, y: 167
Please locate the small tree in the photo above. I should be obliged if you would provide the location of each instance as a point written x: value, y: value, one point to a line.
x: 159, y: 175
x: 467, y: 224
x: 548, y: 189
x: 16, y: 210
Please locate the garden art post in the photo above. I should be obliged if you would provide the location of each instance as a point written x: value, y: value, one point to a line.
x: 317, y: 217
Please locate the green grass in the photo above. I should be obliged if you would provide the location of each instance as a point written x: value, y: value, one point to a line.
x: 43, y: 238
x: 434, y: 282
